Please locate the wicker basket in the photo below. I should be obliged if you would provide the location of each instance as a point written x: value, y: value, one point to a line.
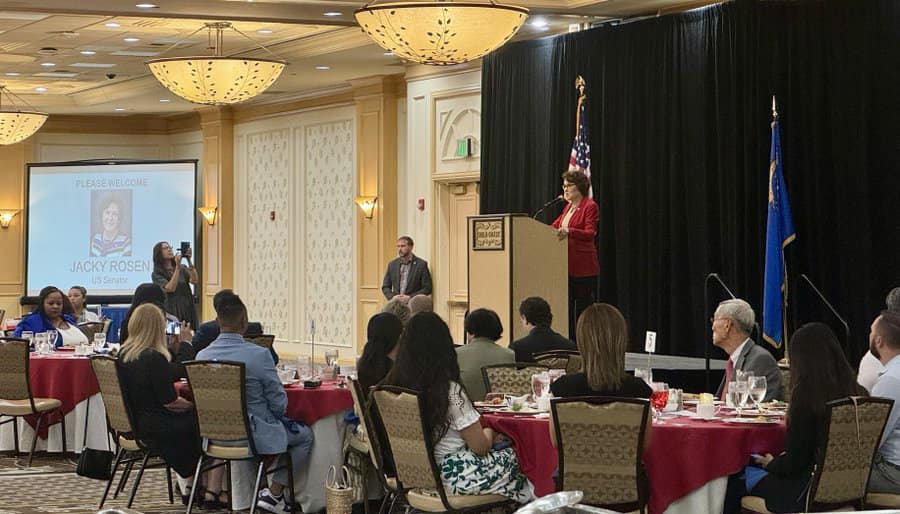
x: 338, y: 493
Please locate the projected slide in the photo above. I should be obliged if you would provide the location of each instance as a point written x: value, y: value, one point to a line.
x: 95, y: 224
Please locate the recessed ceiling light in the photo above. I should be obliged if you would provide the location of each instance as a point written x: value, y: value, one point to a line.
x: 112, y: 25
x: 146, y: 6
x: 41, y: 89
x: 539, y: 23
x: 88, y: 52
x: 164, y: 100
x: 91, y: 65
x: 131, y: 39
x: 12, y: 74
x: 264, y: 31
x: 333, y: 13
x: 323, y: 67
x: 120, y: 109
x: 48, y: 64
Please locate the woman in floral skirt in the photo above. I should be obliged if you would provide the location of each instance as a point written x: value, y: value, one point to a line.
x: 462, y: 447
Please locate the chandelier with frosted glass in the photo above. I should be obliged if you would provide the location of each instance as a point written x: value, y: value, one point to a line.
x: 440, y: 33
x: 216, y: 79
x: 17, y: 125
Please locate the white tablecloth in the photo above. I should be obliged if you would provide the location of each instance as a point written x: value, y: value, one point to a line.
x: 75, y: 420
x: 710, y: 497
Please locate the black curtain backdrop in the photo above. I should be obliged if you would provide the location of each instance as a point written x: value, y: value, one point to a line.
x: 679, y: 117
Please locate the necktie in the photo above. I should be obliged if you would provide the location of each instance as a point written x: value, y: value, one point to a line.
x: 729, y: 370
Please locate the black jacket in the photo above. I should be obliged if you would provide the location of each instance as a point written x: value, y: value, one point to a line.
x: 542, y: 338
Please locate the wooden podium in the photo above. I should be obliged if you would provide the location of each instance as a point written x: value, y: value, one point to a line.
x: 512, y: 257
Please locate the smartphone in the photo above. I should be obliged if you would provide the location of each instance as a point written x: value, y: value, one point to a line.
x: 501, y: 445
x: 185, y: 246
x: 173, y: 328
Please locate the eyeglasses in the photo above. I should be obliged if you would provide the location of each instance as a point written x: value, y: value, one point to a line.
x: 567, y: 186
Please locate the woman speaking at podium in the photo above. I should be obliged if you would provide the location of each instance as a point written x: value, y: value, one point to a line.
x: 578, y: 222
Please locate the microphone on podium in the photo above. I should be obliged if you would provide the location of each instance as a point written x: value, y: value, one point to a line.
x: 721, y: 283
x: 548, y: 204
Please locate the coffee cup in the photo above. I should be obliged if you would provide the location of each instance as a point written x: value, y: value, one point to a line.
x: 706, y: 410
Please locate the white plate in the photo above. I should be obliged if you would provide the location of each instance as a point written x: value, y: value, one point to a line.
x: 289, y: 382
x: 753, y: 421
x: 695, y: 402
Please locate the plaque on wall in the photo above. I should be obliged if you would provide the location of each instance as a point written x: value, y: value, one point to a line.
x: 487, y: 234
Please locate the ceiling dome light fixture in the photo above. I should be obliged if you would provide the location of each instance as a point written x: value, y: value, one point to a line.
x: 216, y: 79
x: 440, y: 33
x: 17, y: 125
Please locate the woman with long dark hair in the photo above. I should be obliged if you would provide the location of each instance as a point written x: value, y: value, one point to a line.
x: 462, y: 447
x: 53, y: 312
x: 820, y: 373
x: 380, y: 350
x: 175, y: 279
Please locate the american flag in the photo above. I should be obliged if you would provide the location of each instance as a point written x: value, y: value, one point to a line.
x: 580, y: 160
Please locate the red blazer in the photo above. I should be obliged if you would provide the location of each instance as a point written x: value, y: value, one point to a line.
x: 583, y: 261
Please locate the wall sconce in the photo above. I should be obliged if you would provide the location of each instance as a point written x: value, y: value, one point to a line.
x: 367, y: 204
x: 209, y: 213
x: 6, y: 217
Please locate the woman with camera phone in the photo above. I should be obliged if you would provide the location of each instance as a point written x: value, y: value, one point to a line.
x: 176, y: 279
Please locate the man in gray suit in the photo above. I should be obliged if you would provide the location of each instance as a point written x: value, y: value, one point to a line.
x: 273, y: 433
x: 731, y: 327
x: 407, y: 275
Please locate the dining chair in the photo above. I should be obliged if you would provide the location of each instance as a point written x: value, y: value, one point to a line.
x: 374, y: 431
x: 569, y: 360
x: 401, y: 412
x: 16, y: 399
x: 266, y: 340
x: 843, y: 464
x: 514, y: 378
x: 219, y: 391
x: 600, y: 441
x: 120, y: 422
x: 89, y: 328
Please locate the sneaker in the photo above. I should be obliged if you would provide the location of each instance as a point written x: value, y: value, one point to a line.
x: 268, y: 501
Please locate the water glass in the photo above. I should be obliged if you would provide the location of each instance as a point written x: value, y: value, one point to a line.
x: 29, y: 335
x: 99, y: 341
x: 738, y: 391
x: 331, y: 357
x: 40, y: 343
x: 305, y: 366
x: 52, y: 337
x: 540, y: 384
x: 757, y: 386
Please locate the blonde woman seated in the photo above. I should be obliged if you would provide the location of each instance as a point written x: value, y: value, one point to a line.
x: 602, y: 334
x: 166, y: 421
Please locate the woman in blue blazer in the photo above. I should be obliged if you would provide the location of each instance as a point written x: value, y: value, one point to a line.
x: 54, y: 312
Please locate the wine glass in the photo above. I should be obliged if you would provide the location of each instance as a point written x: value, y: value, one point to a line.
x: 29, y: 335
x: 737, y: 395
x: 540, y: 385
x: 52, y: 337
x: 757, y: 386
x: 659, y: 398
x: 99, y: 341
x: 331, y: 357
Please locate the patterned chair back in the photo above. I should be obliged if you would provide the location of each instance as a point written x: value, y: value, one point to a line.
x: 568, y: 360
x: 106, y: 370
x: 220, y: 399
x: 267, y: 340
x: 89, y: 328
x: 401, y: 415
x: 14, y: 380
x: 600, y: 441
x: 360, y: 405
x: 854, y: 433
x: 510, y: 378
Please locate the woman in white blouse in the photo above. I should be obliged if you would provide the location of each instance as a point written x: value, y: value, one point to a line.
x: 462, y: 447
x: 78, y: 299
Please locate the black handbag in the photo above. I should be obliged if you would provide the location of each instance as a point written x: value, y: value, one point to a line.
x: 94, y: 463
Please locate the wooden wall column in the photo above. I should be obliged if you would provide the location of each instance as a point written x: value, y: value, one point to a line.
x: 376, y: 143
x: 217, y: 179
x: 12, y: 240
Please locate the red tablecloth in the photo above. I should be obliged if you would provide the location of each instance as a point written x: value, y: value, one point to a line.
x: 307, y: 405
x: 63, y: 376
x: 683, y: 454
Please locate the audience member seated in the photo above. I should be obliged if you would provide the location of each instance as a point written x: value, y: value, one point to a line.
x: 820, y: 373
x: 731, y: 327
x: 462, y: 448
x: 53, y: 312
x: 383, y: 333
x: 870, y: 368
x: 78, y: 299
x: 536, y: 317
x: 483, y: 328
x: 420, y: 303
x: 161, y: 417
x: 273, y: 433
x: 884, y: 343
x: 602, y: 335
x: 397, y: 308
x: 208, y: 331
x: 180, y: 349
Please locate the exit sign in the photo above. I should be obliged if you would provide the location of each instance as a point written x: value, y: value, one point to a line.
x: 464, y: 147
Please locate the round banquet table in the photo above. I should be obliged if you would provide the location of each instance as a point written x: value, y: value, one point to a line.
x: 70, y: 379
x: 322, y: 409
x: 683, y: 456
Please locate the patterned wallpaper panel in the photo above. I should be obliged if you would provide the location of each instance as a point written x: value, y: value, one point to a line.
x: 268, y: 168
x: 330, y: 186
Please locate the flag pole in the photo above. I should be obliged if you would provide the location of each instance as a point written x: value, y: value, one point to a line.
x: 784, y: 318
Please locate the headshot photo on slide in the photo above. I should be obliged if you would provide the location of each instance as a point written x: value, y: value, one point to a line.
x: 111, y: 223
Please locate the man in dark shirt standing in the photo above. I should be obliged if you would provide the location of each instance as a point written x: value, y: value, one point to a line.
x: 407, y: 275
x: 536, y: 316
